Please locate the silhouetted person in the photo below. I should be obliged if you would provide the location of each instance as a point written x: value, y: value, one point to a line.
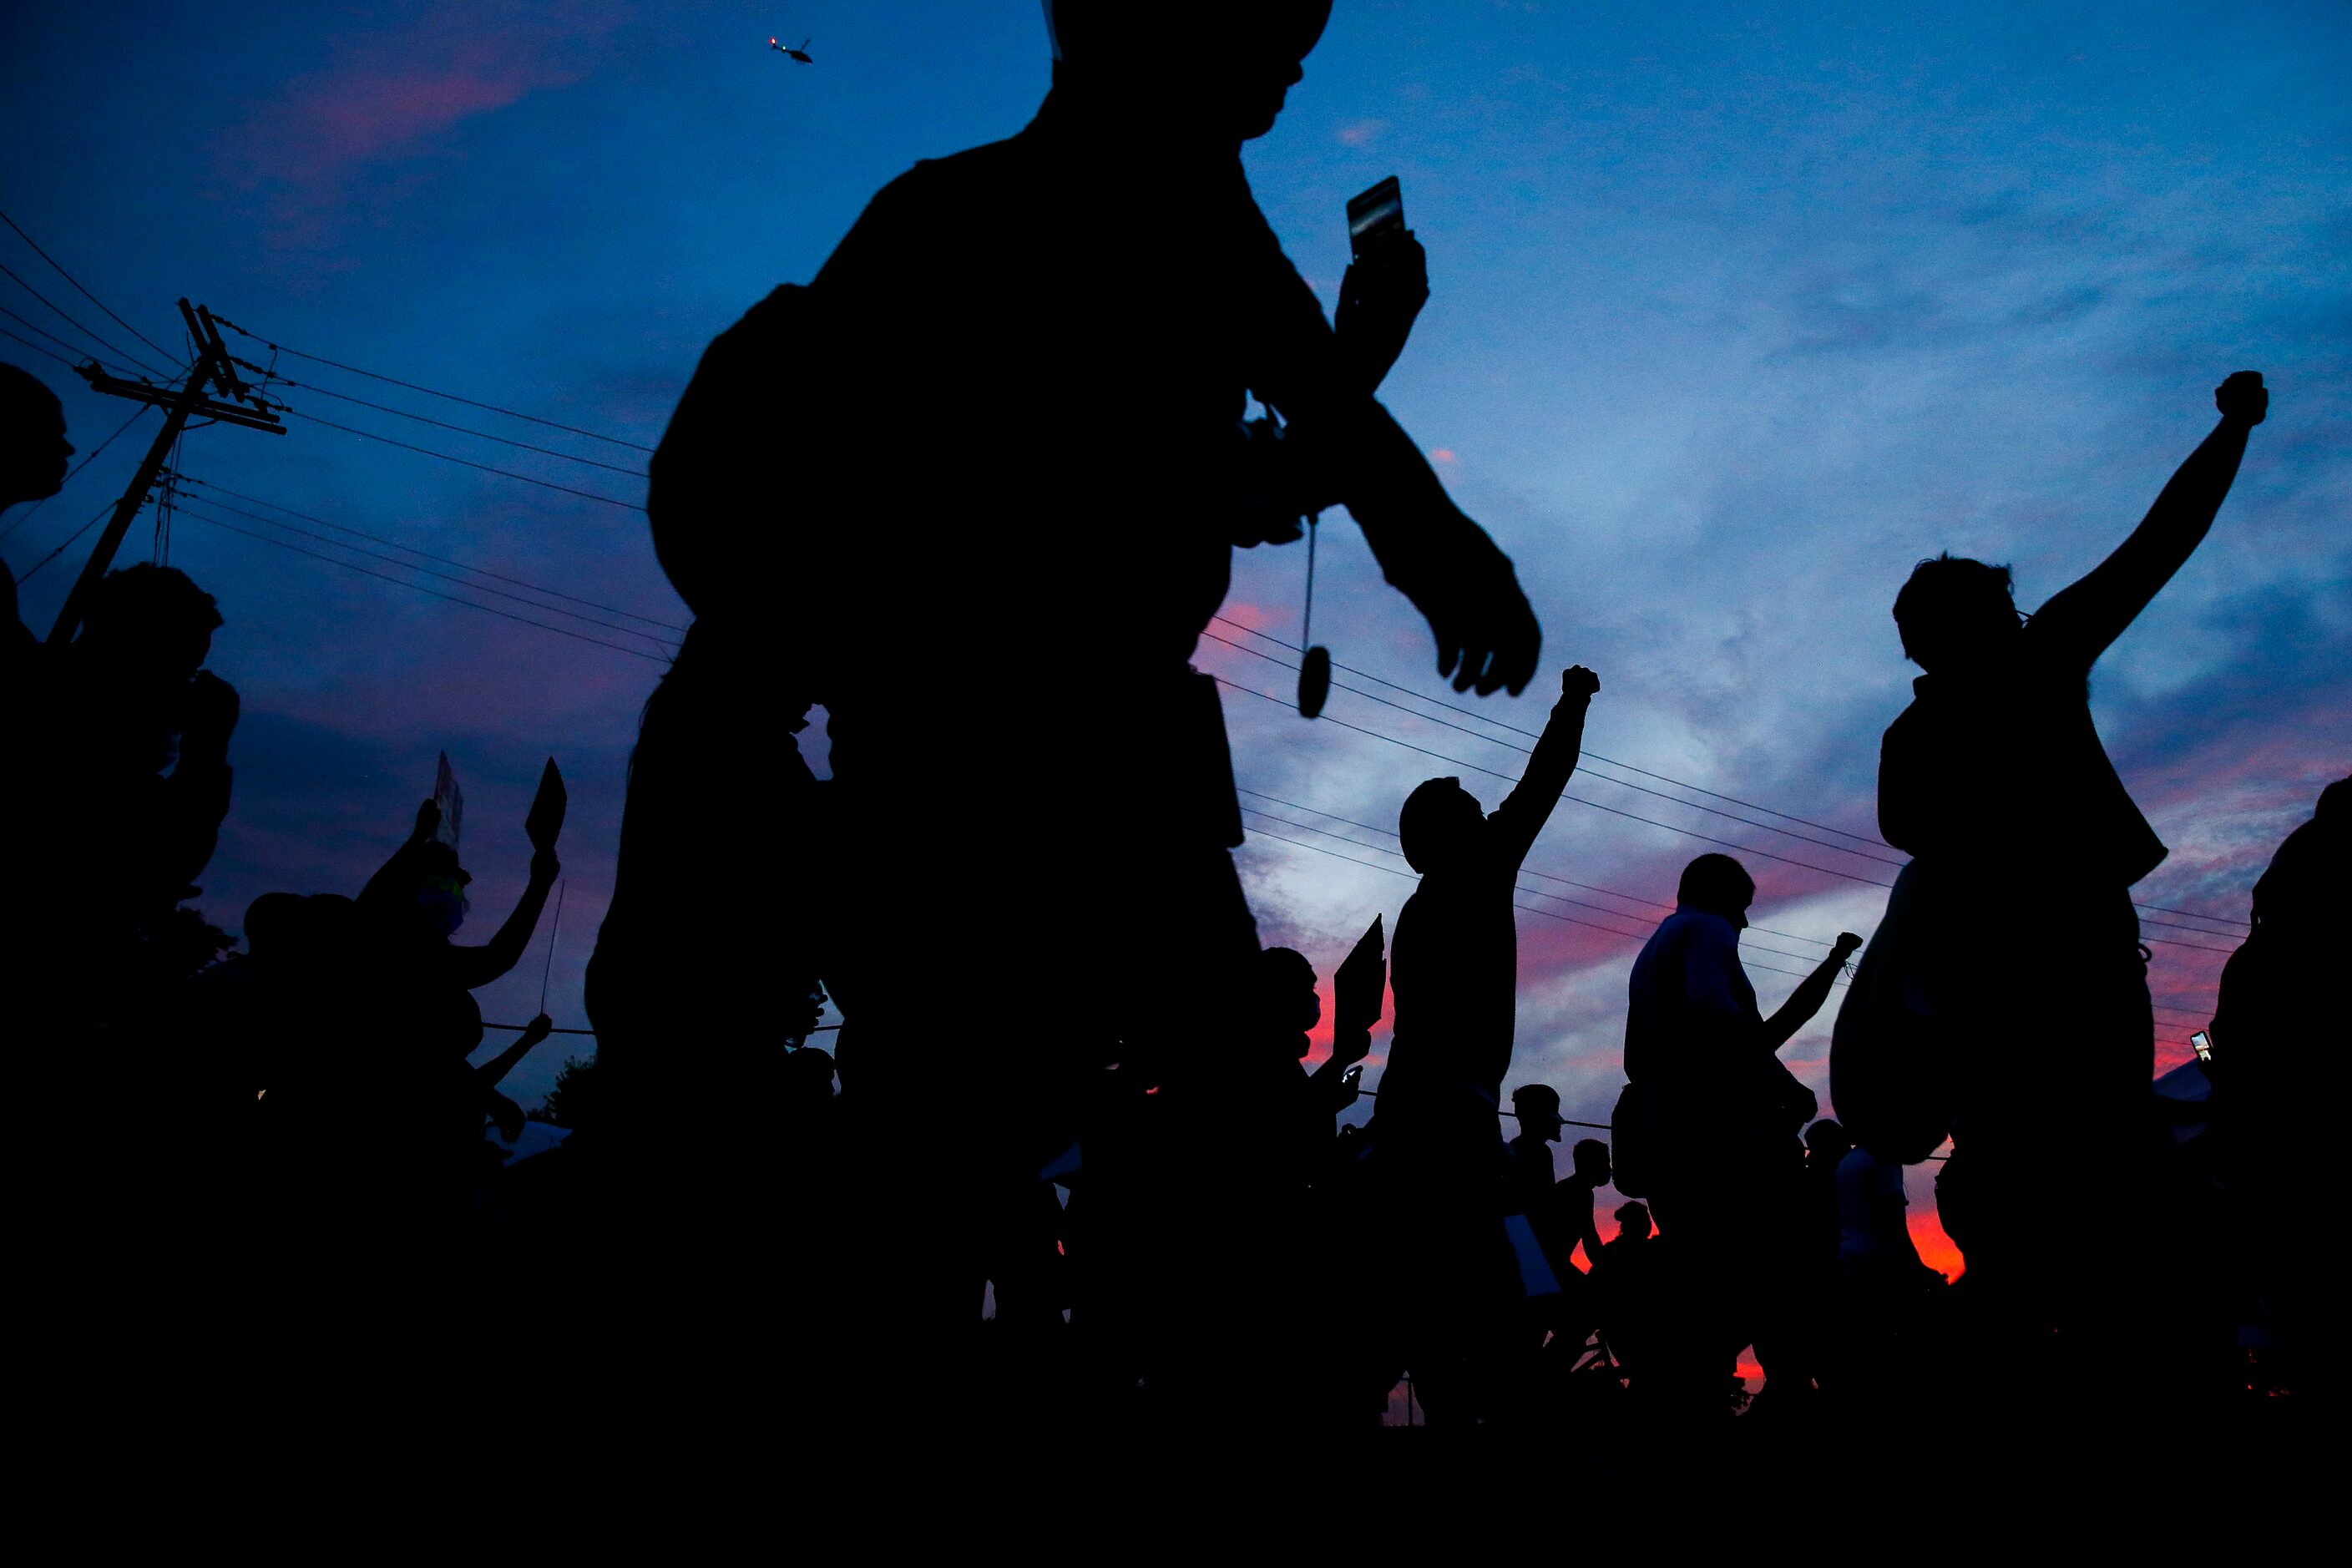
x: 32, y: 445
x: 1455, y: 957
x: 1057, y: 409
x: 1995, y: 783
x: 2279, y: 1083
x: 1454, y: 975
x: 1722, y: 1115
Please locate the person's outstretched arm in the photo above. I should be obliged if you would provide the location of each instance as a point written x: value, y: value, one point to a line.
x: 1528, y: 807
x: 478, y: 966
x: 2080, y: 621
x: 492, y: 1073
x: 1352, y: 452
x: 1811, y: 992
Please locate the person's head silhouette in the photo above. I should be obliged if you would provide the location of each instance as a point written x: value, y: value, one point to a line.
x: 1955, y: 612
x: 1439, y: 824
x: 1633, y: 1222
x: 1286, y: 992
x: 1220, y: 68
x: 1589, y: 1160
x: 149, y: 621
x: 32, y: 444
x: 1827, y: 1142
x: 1719, y: 885
x: 1537, y: 1105
x: 808, y: 1077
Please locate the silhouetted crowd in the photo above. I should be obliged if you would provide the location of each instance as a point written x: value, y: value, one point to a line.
x: 1064, y: 1161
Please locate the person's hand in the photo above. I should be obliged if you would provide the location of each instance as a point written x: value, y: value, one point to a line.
x: 1487, y: 636
x: 1577, y: 681
x: 2243, y: 399
x: 1845, y: 947
x: 544, y: 867
x: 210, y: 716
x: 1379, y: 298
x: 428, y: 822
x: 507, y: 1116
x: 535, y: 1031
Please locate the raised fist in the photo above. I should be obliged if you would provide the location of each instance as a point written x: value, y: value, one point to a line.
x: 1846, y: 945
x: 2243, y: 399
x: 1577, y: 681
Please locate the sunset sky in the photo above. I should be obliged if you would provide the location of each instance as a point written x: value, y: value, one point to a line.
x: 1739, y: 310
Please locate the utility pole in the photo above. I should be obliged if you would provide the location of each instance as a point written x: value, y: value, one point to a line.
x: 211, y: 365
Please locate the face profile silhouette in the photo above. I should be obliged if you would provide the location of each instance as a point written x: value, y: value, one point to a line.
x: 32, y: 444
x: 1222, y: 68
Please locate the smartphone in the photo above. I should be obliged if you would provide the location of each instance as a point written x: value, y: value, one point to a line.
x: 2202, y: 1043
x: 1374, y: 216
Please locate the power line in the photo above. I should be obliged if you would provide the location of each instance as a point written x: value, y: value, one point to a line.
x: 112, y: 348
x: 466, y: 462
x: 76, y: 468
x: 60, y: 550
x: 1613, y: 811
x: 443, y: 560
x: 429, y: 392
x: 1536, y: 735
x: 442, y: 424
x: 428, y: 570
x: 1531, y: 871
x: 31, y: 326
x: 1629, y: 767
x: 37, y: 347
x: 1589, y: 773
x: 421, y: 588
x: 86, y: 293
x: 1530, y: 909
x: 1457, y: 762
x: 1532, y: 892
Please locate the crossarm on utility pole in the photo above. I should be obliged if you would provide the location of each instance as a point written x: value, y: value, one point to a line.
x: 212, y: 365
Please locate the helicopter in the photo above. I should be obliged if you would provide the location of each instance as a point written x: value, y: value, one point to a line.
x: 800, y: 55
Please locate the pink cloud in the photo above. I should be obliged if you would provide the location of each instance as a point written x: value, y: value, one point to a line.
x: 1360, y: 134
x: 1442, y: 453
x: 392, y: 94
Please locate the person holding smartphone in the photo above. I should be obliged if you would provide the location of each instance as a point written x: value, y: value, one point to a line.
x: 1014, y: 394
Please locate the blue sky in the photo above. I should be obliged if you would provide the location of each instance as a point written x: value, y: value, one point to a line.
x: 1739, y: 310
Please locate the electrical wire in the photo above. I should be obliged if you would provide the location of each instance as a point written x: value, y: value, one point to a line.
x: 34, y: 510
x: 1530, y: 871
x: 443, y: 560
x: 430, y: 392
x: 421, y: 588
x: 428, y: 570
x: 1587, y: 771
x: 60, y: 550
x: 85, y: 293
x: 1530, y: 909
x: 466, y: 462
x: 442, y: 423
x: 1613, y: 811
x: 1629, y: 767
x: 112, y: 348
x: 1538, y: 735
x: 37, y: 347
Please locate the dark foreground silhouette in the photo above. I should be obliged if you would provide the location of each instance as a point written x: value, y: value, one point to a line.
x: 1063, y: 1181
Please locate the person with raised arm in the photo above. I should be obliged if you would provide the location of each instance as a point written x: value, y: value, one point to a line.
x: 1454, y: 975
x: 1996, y: 783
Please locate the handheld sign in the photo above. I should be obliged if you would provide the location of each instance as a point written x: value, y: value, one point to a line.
x: 452, y: 802
x: 547, y: 808
x: 1365, y: 964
